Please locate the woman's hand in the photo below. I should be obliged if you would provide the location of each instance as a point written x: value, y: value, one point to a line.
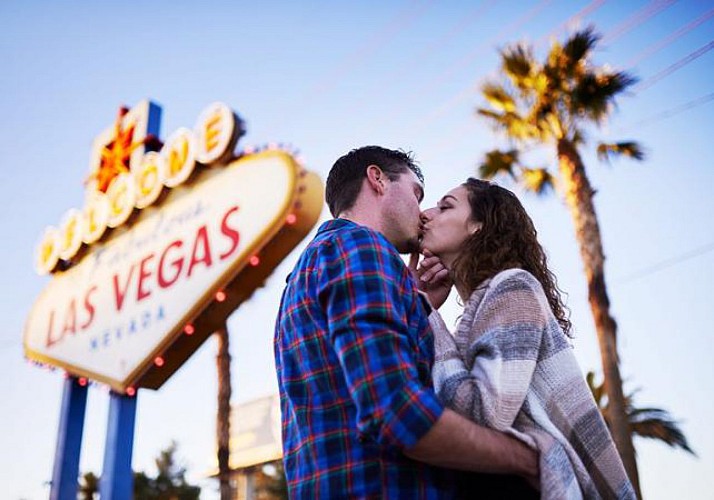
x: 433, y: 278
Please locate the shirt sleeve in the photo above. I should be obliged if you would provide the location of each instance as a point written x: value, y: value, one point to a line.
x: 368, y: 296
x: 489, y: 381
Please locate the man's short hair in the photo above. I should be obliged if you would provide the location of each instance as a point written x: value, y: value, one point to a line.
x: 345, y: 179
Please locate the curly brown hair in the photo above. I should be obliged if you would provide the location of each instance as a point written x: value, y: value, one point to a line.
x: 507, y: 239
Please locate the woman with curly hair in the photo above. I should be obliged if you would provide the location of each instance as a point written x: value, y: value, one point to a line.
x: 509, y: 365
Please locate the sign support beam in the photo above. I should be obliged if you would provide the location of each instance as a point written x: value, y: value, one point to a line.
x: 69, y: 440
x: 117, y: 482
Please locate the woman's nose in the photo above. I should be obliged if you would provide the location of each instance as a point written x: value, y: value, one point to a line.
x: 425, y: 216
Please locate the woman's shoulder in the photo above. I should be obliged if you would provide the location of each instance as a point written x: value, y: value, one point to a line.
x: 510, y: 284
x: 515, y: 279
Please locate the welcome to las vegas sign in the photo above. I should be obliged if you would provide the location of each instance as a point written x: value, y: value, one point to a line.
x: 168, y: 244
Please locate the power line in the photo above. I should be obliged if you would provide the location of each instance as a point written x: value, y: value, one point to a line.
x: 398, y: 22
x: 466, y: 21
x: 632, y: 22
x: 468, y: 91
x: 456, y: 30
x: 665, y: 264
x: 674, y: 67
x: 671, y: 38
x: 470, y: 57
x: 674, y: 111
x: 637, y: 18
x: 584, y: 12
x: 629, y: 24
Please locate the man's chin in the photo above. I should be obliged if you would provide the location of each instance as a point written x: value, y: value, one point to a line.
x: 410, y: 246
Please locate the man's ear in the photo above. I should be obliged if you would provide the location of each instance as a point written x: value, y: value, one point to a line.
x: 376, y: 178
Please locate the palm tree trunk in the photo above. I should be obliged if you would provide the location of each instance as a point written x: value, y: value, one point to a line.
x: 579, y: 197
x: 223, y: 364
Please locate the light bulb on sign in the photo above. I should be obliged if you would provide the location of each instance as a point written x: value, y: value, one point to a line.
x: 47, y: 254
x: 149, y: 179
x: 130, y: 391
x: 254, y: 260
x: 159, y: 361
x: 179, y: 153
x: 189, y: 329
x: 71, y: 233
x: 220, y: 296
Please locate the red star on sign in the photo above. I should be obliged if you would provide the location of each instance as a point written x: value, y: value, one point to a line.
x: 116, y: 154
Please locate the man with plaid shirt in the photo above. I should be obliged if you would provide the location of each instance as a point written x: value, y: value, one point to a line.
x: 354, y: 351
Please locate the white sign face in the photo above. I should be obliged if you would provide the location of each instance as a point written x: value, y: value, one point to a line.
x: 255, y: 432
x: 109, y: 315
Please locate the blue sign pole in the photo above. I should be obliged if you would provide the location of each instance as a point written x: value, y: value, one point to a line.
x: 117, y: 481
x: 69, y: 441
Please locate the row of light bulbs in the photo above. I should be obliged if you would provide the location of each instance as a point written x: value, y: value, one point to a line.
x: 211, y: 142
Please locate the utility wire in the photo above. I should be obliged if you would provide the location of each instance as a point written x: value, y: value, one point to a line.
x: 402, y: 68
x: 700, y: 101
x: 665, y: 264
x: 571, y: 21
x: 632, y: 22
x: 674, y: 67
x: 637, y: 18
x: 629, y: 24
x: 671, y: 38
x: 471, y: 56
x: 398, y: 22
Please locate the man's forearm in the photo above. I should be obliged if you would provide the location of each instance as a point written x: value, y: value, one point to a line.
x: 457, y: 443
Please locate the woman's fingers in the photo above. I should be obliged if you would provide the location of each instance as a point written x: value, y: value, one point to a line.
x: 430, y: 267
x: 414, y: 262
x: 441, y: 275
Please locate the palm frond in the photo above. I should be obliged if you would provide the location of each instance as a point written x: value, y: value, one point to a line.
x: 494, y: 117
x: 652, y: 423
x: 538, y: 180
x: 617, y: 82
x: 594, y: 93
x: 499, y: 162
x: 511, y: 123
x: 630, y: 149
x: 655, y: 423
x: 577, y: 48
x: 598, y: 390
x: 579, y: 137
x: 498, y: 97
x: 517, y: 62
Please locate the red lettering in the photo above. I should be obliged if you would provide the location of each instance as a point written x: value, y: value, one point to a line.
x: 141, y: 294
x: 176, y: 264
x: 202, y: 242
x: 232, y: 234
x: 51, y: 341
x: 70, y: 319
x: 120, y: 294
x: 89, y: 307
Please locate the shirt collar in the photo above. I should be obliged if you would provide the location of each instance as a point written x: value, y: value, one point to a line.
x: 334, y: 224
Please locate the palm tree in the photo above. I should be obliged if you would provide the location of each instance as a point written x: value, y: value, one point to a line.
x: 89, y: 486
x: 223, y: 429
x: 551, y: 103
x: 653, y: 423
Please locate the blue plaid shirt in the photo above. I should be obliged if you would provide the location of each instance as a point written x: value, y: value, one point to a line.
x: 353, y: 353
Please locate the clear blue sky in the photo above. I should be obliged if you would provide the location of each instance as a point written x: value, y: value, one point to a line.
x: 326, y: 77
